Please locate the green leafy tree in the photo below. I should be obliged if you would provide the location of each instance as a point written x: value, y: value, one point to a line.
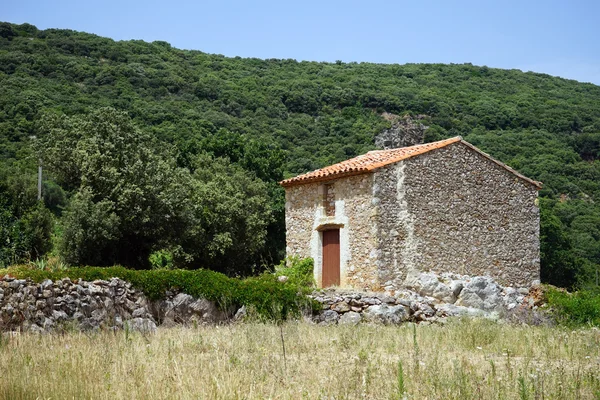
x: 129, y: 193
x: 229, y: 214
x: 559, y: 264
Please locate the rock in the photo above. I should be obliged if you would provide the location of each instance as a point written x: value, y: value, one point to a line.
x: 240, y: 314
x: 468, y: 298
x: 282, y: 278
x: 139, y: 312
x: 481, y: 292
x: 16, y: 283
x: 34, y: 328
x: 451, y: 310
x: 59, y: 316
x: 329, y: 317
x: 77, y: 316
x: 385, y: 314
x: 94, y: 290
x: 341, y: 307
x: 371, y: 300
x: 48, y: 323
x: 47, y: 284
x: 428, y: 284
x: 184, y: 308
x: 143, y: 325
x: 99, y: 315
x: 424, y: 309
x: 350, y: 318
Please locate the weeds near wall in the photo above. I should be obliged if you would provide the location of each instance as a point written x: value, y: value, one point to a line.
x: 581, y: 308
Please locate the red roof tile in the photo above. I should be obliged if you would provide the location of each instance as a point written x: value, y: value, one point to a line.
x: 379, y: 158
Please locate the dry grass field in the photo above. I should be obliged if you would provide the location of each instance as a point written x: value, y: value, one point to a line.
x: 461, y: 360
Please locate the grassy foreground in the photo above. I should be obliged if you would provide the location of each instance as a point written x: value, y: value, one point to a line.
x: 464, y: 359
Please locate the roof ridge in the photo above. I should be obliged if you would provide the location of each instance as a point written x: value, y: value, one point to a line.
x: 375, y: 159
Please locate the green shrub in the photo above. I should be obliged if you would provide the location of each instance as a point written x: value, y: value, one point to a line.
x: 270, y: 298
x: 299, y: 271
x: 161, y: 259
x: 575, y: 309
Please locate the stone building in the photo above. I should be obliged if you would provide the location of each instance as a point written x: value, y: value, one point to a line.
x: 438, y: 207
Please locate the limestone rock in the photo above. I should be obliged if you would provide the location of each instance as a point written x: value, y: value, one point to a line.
x: 385, y: 314
x: 143, y: 325
x: 481, y: 292
x: 341, y: 307
x: 350, y: 318
x: 329, y: 317
x: 240, y: 314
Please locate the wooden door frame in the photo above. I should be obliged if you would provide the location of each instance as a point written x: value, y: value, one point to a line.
x: 317, y: 250
x: 331, y: 263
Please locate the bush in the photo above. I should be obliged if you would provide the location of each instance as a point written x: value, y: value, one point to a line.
x: 265, y: 294
x: 299, y: 271
x: 575, y: 309
x: 161, y: 259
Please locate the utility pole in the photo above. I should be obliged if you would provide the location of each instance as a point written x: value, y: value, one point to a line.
x: 40, y: 181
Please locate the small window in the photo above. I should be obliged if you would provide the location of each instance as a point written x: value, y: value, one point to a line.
x: 329, y: 200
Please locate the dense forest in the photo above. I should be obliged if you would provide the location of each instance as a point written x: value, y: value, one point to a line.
x: 155, y: 156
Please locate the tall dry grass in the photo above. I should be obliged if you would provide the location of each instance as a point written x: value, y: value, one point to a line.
x: 462, y: 360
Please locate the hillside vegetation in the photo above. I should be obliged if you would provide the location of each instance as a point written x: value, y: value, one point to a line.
x: 193, y: 119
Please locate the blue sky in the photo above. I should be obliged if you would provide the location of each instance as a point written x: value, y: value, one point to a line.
x: 560, y: 38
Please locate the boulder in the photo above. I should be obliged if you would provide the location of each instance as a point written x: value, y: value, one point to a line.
x: 341, y: 307
x: 481, y: 292
x: 451, y: 310
x: 328, y: 317
x: 385, y: 314
x: 143, y: 325
x: 429, y: 284
x: 350, y: 318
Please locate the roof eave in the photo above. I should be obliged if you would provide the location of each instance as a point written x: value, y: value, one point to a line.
x: 289, y: 183
x: 537, y: 184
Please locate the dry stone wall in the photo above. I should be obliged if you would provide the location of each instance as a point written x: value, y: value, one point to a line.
x: 65, y: 305
x: 101, y: 304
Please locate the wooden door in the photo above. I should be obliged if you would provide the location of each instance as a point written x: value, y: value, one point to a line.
x: 331, y: 258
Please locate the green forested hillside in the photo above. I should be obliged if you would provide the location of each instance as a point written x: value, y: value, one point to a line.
x: 275, y: 118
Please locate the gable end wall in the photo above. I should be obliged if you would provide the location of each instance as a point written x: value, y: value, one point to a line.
x: 453, y: 210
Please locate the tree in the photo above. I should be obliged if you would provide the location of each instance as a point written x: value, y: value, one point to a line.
x: 131, y: 199
x: 559, y: 264
x: 129, y: 193
x: 229, y: 214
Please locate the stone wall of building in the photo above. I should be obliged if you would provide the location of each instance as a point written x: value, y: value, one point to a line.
x: 355, y: 216
x: 454, y: 210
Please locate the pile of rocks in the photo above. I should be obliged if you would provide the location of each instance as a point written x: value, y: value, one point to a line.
x: 113, y: 304
x: 427, y: 298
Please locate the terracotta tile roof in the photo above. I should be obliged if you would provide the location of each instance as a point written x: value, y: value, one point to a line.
x: 379, y: 158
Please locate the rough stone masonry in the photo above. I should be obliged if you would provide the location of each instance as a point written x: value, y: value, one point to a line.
x: 65, y: 304
x: 101, y: 304
x: 443, y: 207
